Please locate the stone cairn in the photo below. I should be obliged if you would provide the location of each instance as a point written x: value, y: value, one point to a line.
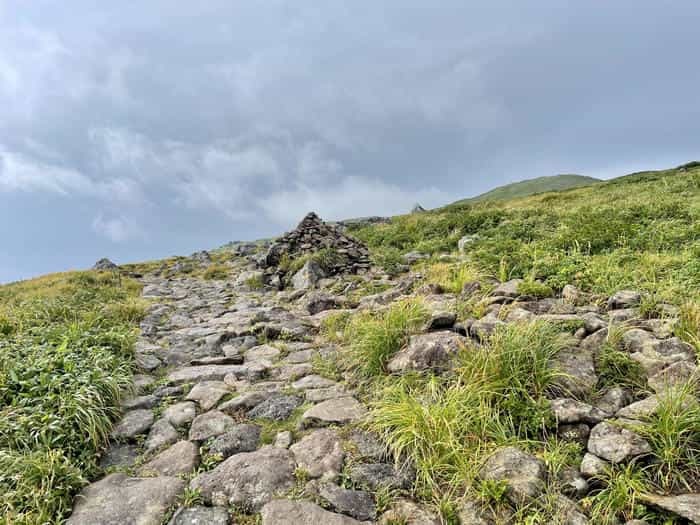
x: 313, y: 235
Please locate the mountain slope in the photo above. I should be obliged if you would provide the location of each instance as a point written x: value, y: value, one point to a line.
x: 532, y: 186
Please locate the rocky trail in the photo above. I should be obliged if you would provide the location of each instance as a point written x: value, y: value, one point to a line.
x: 232, y: 421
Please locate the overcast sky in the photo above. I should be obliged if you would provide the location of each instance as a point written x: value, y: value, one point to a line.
x: 141, y: 129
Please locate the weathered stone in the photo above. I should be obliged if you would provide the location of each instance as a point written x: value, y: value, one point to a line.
x: 287, y: 512
x: 320, y: 454
x: 182, y: 458
x: 180, y: 414
x: 262, y: 352
x: 593, y: 466
x: 576, y: 432
x: 410, y: 513
x: 162, y: 433
x: 567, y: 411
x: 318, y: 395
x: 208, y: 393
x: 250, y: 478
x: 245, y: 401
x: 119, y: 455
x: 278, y: 407
x: 339, y: 411
x: 684, y: 505
x: 576, y: 369
x: 209, y: 425
x: 118, y: 499
x: 194, y: 374
x: 283, y: 439
x: 376, y: 475
x: 674, y: 375
x: 508, y: 289
x: 571, y: 294
x: 616, y: 444
x: 308, y: 276
x: 656, y: 354
x: 624, y: 299
x: 241, y: 438
x: 464, y: 242
x: 641, y: 409
x: 313, y: 381
x: 321, y: 301
x: 357, y: 504
x: 132, y: 403
x: 523, y: 474
x: 426, y: 351
x: 200, y: 516
x: 368, y: 446
x: 132, y: 424
x: 104, y: 264
x: 614, y: 399
x: 483, y: 328
x: 291, y: 372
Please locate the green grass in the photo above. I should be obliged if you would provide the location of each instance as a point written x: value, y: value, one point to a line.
x: 65, y: 361
x: 640, y: 232
x: 447, y: 425
x: 532, y: 186
x: 374, y: 337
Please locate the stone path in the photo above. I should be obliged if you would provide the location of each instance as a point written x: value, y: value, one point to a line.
x: 230, y: 418
x: 228, y: 409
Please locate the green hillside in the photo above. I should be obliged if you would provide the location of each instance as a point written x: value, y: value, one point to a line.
x: 533, y: 186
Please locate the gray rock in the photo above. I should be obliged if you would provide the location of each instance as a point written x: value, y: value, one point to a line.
x: 413, y: 257
x: 119, y: 455
x: 318, y: 395
x: 427, y: 351
x: 567, y: 411
x: 464, y: 242
x: 641, y: 409
x: 523, y: 473
x: 507, y: 289
x: 262, y: 352
x: 684, y: 505
x: 245, y: 401
x: 624, y: 299
x: 321, y: 301
x: 357, y: 504
x: 104, y: 264
x: 208, y: 393
x: 118, y: 499
x: 320, y: 454
x: 308, y: 276
x: 313, y: 381
x: 656, y: 354
x: 339, y: 411
x: 593, y: 466
x: 571, y: 294
x: 283, y: 439
x: 132, y: 424
x: 376, y: 475
x: 241, y: 438
x: 286, y: 512
x: 200, y: 516
x: 577, y: 371
x: 484, y: 328
x: 194, y: 374
x: 182, y: 458
x: 162, y: 433
x: 180, y: 414
x: 278, y: 407
x: 209, y: 425
x: 409, y: 512
x: 367, y: 446
x: 133, y: 403
x: 575, y: 432
x: 250, y: 478
x: 674, y: 375
x: 614, y: 400
x: 616, y: 444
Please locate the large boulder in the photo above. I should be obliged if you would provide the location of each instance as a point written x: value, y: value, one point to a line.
x: 523, y: 474
x: 685, y: 505
x: 308, y: 276
x: 118, y: 499
x: 250, y: 478
x: 427, y: 351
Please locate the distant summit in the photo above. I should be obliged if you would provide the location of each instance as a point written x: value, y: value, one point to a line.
x: 417, y: 208
x: 532, y: 186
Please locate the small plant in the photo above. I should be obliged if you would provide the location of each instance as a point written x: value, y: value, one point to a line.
x: 191, y: 497
x: 333, y: 326
x: 616, y: 368
x: 673, y: 431
x: 256, y: 282
x: 688, y: 326
x: 451, y: 278
x: 619, y: 497
x: 491, y: 491
x: 216, y: 272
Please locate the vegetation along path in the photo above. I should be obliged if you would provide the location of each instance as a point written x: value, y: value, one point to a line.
x: 525, y: 361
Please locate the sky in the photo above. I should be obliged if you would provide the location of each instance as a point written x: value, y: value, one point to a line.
x: 136, y: 130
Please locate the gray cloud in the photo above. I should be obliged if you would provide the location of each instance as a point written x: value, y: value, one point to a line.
x: 141, y: 129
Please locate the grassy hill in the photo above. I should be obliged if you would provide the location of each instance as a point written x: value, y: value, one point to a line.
x: 532, y: 186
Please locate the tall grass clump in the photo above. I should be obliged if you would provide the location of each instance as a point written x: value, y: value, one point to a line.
x: 446, y: 425
x: 450, y: 277
x: 63, y: 368
x: 374, y: 337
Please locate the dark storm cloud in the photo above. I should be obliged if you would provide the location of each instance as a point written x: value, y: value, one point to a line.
x: 140, y: 129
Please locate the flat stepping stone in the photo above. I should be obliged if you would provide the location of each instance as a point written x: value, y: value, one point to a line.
x: 209, y: 425
x: 182, y: 458
x: 200, y: 516
x: 180, y: 414
x: 132, y: 424
x: 313, y: 381
x: 232, y: 359
x: 194, y: 374
x: 291, y: 372
x: 341, y: 411
x: 261, y: 352
x: 374, y: 476
x: 245, y: 401
x: 241, y: 438
x: 133, y: 403
x: 118, y: 499
x: 162, y: 433
x: 317, y: 395
x: 277, y: 408
x: 208, y: 393
x: 250, y: 478
x: 119, y: 456
x: 320, y: 454
x: 357, y: 504
x: 286, y: 512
